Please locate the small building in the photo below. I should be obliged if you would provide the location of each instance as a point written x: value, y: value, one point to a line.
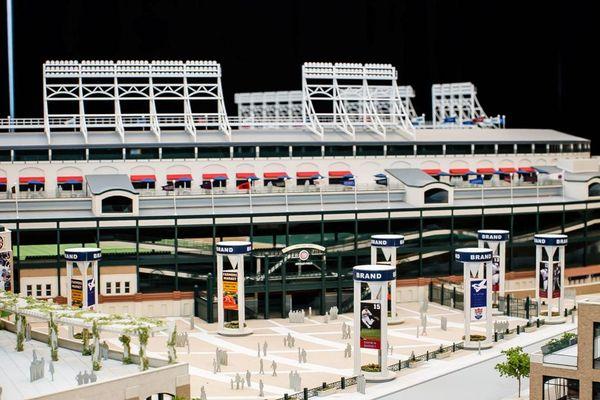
x: 112, y: 194
x: 422, y: 189
x: 570, y: 369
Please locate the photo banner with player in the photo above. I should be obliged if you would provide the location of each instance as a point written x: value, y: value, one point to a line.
x: 478, y: 299
x: 230, y: 290
x: 556, y: 280
x: 543, y: 280
x: 6, y: 261
x: 91, y: 292
x: 496, y: 274
x: 77, y: 293
x: 370, y: 325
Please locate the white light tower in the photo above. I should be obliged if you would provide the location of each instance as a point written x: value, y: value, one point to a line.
x: 388, y: 245
x: 495, y: 239
x: 230, y: 286
x: 82, y: 290
x: 477, y: 296
x: 550, y: 275
x: 370, y: 317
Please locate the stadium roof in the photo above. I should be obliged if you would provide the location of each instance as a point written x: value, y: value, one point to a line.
x: 98, y: 184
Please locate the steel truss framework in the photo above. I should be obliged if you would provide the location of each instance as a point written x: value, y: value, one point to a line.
x: 457, y: 103
x: 270, y: 108
x: 137, y: 95
x: 350, y: 96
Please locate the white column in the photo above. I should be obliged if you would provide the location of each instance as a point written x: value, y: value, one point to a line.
x: 241, y: 294
x: 220, y: 310
x: 357, y: 354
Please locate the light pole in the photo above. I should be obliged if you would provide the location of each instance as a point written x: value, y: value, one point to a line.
x: 319, y: 178
x: 9, y: 46
x: 285, y: 179
x: 212, y: 194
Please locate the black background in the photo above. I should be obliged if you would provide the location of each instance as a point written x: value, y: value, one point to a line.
x: 532, y: 61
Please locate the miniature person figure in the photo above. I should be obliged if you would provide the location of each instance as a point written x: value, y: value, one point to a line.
x: 214, y: 366
x: 238, y: 378
x: 231, y: 383
x: 86, y: 378
x: 28, y: 332
x: 299, y: 355
x: 293, y: 341
x: 262, y: 367
x: 93, y: 377
x: 79, y: 378
x: 192, y: 323
x: 290, y: 380
x: 261, y: 388
x: 51, y: 369
x: 265, y: 345
x: 304, y: 354
x: 274, y: 366
x: 285, y: 342
x: 248, y: 376
x: 424, y: 324
x: 202, y: 393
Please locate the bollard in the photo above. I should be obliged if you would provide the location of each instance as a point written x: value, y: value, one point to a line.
x: 399, y: 365
x: 495, y: 336
x: 566, y: 313
x: 453, y: 347
x: 527, y: 302
x: 442, y: 295
x: 342, y: 385
x: 285, y: 396
x: 518, y: 331
x: 537, y: 323
x: 306, y: 392
x: 324, y: 385
x: 427, y: 356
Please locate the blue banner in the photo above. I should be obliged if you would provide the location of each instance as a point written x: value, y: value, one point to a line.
x: 91, y: 292
x: 478, y: 299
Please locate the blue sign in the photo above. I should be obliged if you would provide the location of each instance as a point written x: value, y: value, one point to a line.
x: 387, y: 240
x: 493, y: 235
x: 91, y: 292
x: 374, y: 273
x: 83, y: 254
x: 234, y: 247
x: 551, y: 240
x: 473, y: 255
x: 478, y: 299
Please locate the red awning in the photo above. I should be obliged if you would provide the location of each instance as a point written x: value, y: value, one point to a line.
x: 508, y: 170
x: 24, y: 180
x: 486, y: 171
x: 244, y: 175
x: 216, y: 175
x: 274, y: 175
x: 69, y: 179
x: 143, y: 178
x: 3, y: 180
x: 179, y: 177
x: 526, y: 169
x: 432, y: 171
x: 339, y: 174
x: 460, y: 171
x: 306, y: 174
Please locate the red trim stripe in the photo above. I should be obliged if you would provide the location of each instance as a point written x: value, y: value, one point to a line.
x: 3, y: 180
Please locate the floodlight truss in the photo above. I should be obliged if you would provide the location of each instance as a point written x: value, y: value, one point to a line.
x: 269, y: 109
x: 350, y: 96
x: 457, y: 104
x: 176, y: 85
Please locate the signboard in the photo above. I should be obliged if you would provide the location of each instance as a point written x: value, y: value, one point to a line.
x: 6, y: 261
x: 370, y: 325
x: 543, y: 280
x: 230, y: 290
x: 496, y: 273
x: 77, y: 293
x: 478, y: 299
x: 556, y: 280
x: 91, y: 292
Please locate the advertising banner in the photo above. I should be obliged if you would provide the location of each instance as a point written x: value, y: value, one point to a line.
x: 478, y: 299
x: 543, y: 280
x: 230, y: 290
x: 556, y: 280
x: 496, y: 273
x: 91, y: 292
x: 6, y: 261
x: 370, y: 325
x: 77, y: 293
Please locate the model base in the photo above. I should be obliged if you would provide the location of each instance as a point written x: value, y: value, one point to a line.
x: 235, y: 332
x: 475, y: 345
x: 376, y: 377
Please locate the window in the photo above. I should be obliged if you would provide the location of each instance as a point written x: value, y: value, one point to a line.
x: 244, y: 152
x: 506, y: 149
x: 436, y: 196
x: 213, y: 152
x: 106, y: 154
x: 274, y: 151
x: 560, y: 388
x: 338, y: 151
x: 567, y: 148
x: 117, y: 287
x: 458, y: 149
x: 29, y: 290
x: 4, y: 155
x: 540, y: 148
x: 70, y: 186
x: 554, y: 148
x: 524, y: 148
x: 430, y: 149
x: 31, y: 155
x: 485, y: 149
x: 596, y: 345
x: 68, y: 154
x: 126, y: 288
x: 145, y: 153
x: 369, y: 150
x: 117, y: 204
x: 306, y: 151
x: 594, y: 189
x: 400, y: 150
x: 177, y: 152
x: 48, y: 290
x: 38, y: 290
x: 108, y: 287
x: 144, y: 185
x: 596, y: 391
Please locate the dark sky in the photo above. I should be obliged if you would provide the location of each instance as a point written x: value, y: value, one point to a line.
x: 530, y: 60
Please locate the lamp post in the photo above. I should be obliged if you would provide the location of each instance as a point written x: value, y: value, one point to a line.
x: 212, y: 194
x: 9, y: 47
x: 285, y: 179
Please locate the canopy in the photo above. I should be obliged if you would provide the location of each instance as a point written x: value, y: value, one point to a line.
x: 526, y: 170
x: 72, y: 180
x: 32, y: 180
x: 246, y: 175
x: 461, y: 171
x: 508, y: 170
x: 307, y: 174
x: 143, y: 178
x: 486, y: 171
x: 275, y: 175
x: 339, y: 174
x: 179, y: 177
x: 3, y: 181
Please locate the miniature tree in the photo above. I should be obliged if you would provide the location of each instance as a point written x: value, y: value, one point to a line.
x: 85, y: 337
x: 171, y: 342
x: 126, y: 342
x: 21, y: 322
x: 96, y: 359
x: 515, y: 366
x: 53, y: 338
x: 143, y: 337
